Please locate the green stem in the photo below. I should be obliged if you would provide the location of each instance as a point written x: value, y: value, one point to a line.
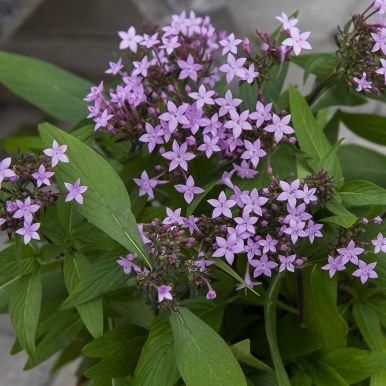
x: 270, y: 330
x: 320, y: 87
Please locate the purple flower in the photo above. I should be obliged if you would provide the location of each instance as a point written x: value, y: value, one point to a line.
x: 146, y: 184
x: 379, y: 243
x: 298, y: 41
x: 290, y: 192
x: 280, y: 127
x: 202, y: 97
x: 29, y: 232
x: 365, y: 271
x: 5, y: 172
x: 56, y: 153
x: 246, y: 223
x: 380, y: 6
x: 202, y: 263
x: 252, y: 249
x: 175, y: 115
x: 250, y: 74
x: 130, y: 39
x: 228, y: 247
x: 188, y: 68
x: 127, y: 263
x: 244, y: 171
x: 307, y: 195
x: 269, y: 244
x: 196, y: 119
x: 288, y: 24
x: 141, y: 67
x: 153, y: 136
x: 248, y: 280
x: 230, y: 44
x: 222, y: 206
x: 25, y: 210
x: 286, y: 263
x: 234, y: 67
x: 75, y: 191
x: 382, y: 70
x: 350, y: 253
x: 42, y: 176
x: 313, y: 230
x: 173, y: 218
x: 253, y: 202
x: 102, y: 120
x: 297, y: 213
x: 380, y: 41
x: 262, y: 113
x: 334, y: 265
x: 191, y: 223
x: 170, y: 44
x: 363, y: 83
x: 209, y: 146
x: 263, y: 266
x: 378, y: 220
x: 189, y: 190
x: 227, y: 104
x: 95, y: 92
x: 164, y: 292
x: 179, y: 156
x: 150, y: 41
x: 211, y: 294
x: 115, y: 67
x: 253, y: 152
x: 295, y: 230
x: 238, y: 122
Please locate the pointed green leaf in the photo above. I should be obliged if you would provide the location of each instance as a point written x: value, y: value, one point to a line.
x: 203, y: 358
x: 106, y: 201
x: 53, y: 90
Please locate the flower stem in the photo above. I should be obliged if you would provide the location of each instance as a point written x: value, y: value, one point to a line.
x: 270, y: 330
x: 320, y: 87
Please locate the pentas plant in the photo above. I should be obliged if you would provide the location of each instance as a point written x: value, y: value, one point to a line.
x: 26, y: 190
x: 200, y: 223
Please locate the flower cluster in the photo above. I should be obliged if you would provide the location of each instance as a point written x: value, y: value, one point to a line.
x: 362, y: 50
x: 26, y: 190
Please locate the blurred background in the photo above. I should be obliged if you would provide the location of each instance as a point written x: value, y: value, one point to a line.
x: 81, y: 36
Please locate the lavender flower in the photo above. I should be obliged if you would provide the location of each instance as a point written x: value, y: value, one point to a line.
x: 56, y: 153
x: 189, y: 190
x: 228, y: 247
x: 280, y: 127
x: 164, y: 293
x: 29, y: 232
x: 188, y: 68
x: 75, y: 191
x: 146, y: 185
x: 263, y: 266
x: 127, y: 263
x: 287, y: 263
x: 130, y: 39
x: 5, y: 171
x: 334, y: 265
x: 42, y: 176
x: 379, y: 243
x: 25, y: 210
x: 365, y: 271
x: 350, y: 253
x: 222, y: 206
x: 179, y: 156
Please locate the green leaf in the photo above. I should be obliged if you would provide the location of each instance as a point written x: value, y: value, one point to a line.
x: 231, y: 272
x: 311, y: 138
x: 197, y: 199
x: 367, y: 320
x: 357, y: 162
x: 331, y: 128
x: 322, y: 373
x: 273, y: 86
x: 118, y: 341
x: 369, y: 126
x: 24, y: 310
x: 75, y: 268
x: 359, y: 193
x: 301, y: 379
x: 355, y: 365
x: 203, y: 358
x: 61, y: 332
x: 325, y: 63
x: 337, y: 95
x: 55, y: 91
x: 271, y: 333
x: 343, y: 217
x: 103, y: 276
x: 106, y: 201
x: 321, y: 312
x: 378, y: 379
x: 157, y: 363
x: 25, y: 144
x: 330, y: 163
x: 242, y: 352
x: 249, y: 95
